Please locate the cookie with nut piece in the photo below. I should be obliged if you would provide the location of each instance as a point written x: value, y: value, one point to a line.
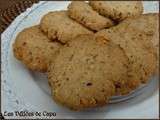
x: 118, y: 10
x: 83, y: 13
x: 86, y: 71
x: 58, y: 25
x: 34, y: 49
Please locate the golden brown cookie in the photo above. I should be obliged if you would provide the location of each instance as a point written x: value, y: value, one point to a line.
x: 86, y: 71
x: 34, y: 49
x: 149, y: 25
x: 57, y: 25
x: 84, y: 14
x: 138, y: 48
x: 118, y: 10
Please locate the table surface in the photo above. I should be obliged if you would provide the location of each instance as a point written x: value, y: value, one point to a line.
x: 10, y: 9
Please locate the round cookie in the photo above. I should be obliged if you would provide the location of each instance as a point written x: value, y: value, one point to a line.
x: 57, y: 25
x: 146, y: 23
x: 149, y: 25
x: 86, y: 71
x: 118, y: 10
x: 34, y: 49
x: 84, y: 14
x: 139, y: 50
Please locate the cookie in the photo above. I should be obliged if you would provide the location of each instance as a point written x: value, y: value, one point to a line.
x: 84, y: 14
x: 149, y: 25
x: 34, y: 49
x: 86, y: 71
x: 118, y: 10
x: 139, y: 50
x: 57, y: 25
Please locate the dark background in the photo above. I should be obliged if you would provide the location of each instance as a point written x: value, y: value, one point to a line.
x: 9, y: 9
x: 7, y: 3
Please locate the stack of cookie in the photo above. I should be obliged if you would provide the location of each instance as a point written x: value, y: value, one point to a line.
x: 93, y: 51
